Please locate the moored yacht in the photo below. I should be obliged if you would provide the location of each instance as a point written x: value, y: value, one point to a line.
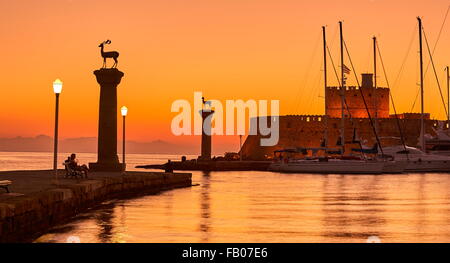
x: 328, y: 166
x: 416, y: 160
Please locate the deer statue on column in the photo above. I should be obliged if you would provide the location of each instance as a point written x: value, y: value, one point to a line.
x: 111, y: 54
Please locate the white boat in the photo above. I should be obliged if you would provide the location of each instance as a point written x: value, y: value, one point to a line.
x: 439, y: 144
x: 328, y: 166
x: 418, y: 161
x: 394, y: 167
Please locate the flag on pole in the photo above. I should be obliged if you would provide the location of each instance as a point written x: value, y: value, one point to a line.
x: 346, y: 69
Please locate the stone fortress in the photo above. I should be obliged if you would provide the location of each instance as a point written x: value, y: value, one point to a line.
x: 311, y: 130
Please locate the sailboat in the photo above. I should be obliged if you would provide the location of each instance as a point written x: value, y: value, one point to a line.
x: 417, y: 160
x: 440, y: 144
x: 331, y: 165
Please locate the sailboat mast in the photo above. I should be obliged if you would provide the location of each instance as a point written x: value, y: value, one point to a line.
x: 325, y: 82
x: 375, y: 80
x: 448, y: 97
x: 342, y: 89
x: 422, y: 124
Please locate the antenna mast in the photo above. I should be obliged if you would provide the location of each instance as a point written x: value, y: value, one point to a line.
x: 422, y: 124
x: 325, y: 80
x: 375, y: 81
x: 342, y: 89
x: 448, y: 97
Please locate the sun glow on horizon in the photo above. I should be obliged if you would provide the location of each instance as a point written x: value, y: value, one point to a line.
x: 261, y: 50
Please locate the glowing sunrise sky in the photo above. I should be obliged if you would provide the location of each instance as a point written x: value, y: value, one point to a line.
x: 228, y: 49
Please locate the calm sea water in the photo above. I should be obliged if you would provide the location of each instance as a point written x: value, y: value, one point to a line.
x: 263, y: 207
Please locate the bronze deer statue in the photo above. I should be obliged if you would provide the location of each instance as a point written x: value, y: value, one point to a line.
x: 111, y: 54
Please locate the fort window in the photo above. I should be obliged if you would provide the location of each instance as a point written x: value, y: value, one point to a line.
x: 288, y: 125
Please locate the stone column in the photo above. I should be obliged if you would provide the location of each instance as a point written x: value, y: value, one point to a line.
x: 107, y: 159
x: 206, y: 135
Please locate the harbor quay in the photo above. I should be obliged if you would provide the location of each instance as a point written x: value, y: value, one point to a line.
x: 37, y: 201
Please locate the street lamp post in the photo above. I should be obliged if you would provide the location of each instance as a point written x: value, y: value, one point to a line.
x: 124, y: 111
x: 240, y: 147
x: 57, y: 88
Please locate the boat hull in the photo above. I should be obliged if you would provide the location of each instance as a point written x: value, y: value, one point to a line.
x: 394, y: 167
x: 432, y: 166
x: 331, y: 167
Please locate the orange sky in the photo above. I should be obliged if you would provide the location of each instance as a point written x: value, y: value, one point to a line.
x: 229, y: 49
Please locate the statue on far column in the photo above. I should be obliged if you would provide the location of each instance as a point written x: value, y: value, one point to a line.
x: 110, y: 54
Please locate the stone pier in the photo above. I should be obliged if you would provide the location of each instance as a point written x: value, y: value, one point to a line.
x: 36, y: 203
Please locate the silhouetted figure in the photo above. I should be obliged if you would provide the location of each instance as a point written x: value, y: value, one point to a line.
x: 111, y: 54
x: 169, y: 167
x: 73, y: 164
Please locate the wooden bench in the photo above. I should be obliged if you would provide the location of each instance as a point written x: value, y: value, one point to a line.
x: 4, y: 184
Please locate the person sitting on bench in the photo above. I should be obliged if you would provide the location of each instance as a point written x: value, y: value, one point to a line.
x: 168, y: 167
x: 73, y: 164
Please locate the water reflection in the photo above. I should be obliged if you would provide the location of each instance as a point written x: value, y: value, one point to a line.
x: 205, y: 212
x: 351, y: 207
x: 271, y: 207
x: 421, y: 205
x: 104, y: 220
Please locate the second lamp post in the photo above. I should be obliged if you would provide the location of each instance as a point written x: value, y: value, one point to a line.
x: 124, y: 111
x: 57, y: 88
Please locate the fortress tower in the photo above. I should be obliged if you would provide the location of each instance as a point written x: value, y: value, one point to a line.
x: 377, y: 100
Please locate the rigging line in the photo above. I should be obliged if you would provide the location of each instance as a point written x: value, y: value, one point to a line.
x: 364, y: 100
x: 434, y: 49
x: 402, y: 67
x: 392, y: 100
x: 313, y: 87
x: 316, y: 91
x: 345, y: 101
x: 311, y: 95
x: 435, y: 74
x: 339, y: 83
x: 418, y: 89
x: 305, y: 78
x: 439, y: 36
x: 415, y: 100
x: 334, y: 37
x: 353, y: 125
x: 334, y: 67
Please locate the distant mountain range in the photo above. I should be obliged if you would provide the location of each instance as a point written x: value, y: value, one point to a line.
x: 43, y: 143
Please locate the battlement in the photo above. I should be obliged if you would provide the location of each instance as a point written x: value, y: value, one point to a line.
x: 305, y: 118
x: 411, y: 115
x: 311, y: 130
x: 333, y: 88
x: 377, y: 100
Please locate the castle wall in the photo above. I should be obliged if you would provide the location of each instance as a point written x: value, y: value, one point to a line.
x: 309, y: 131
x: 377, y: 102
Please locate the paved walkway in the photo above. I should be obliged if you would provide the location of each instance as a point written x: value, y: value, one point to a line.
x: 34, y: 181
